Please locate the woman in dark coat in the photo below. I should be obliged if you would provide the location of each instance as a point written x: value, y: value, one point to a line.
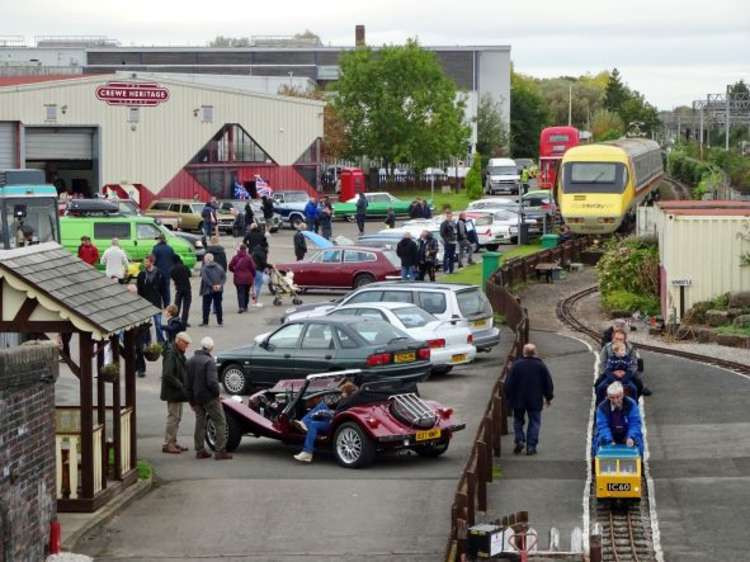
x: 243, y: 268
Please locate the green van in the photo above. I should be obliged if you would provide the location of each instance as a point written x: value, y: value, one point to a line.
x: 137, y: 235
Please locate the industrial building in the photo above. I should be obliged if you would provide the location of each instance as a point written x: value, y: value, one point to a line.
x: 159, y: 136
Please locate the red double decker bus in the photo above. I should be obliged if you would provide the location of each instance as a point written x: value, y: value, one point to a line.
x: 553, y: 142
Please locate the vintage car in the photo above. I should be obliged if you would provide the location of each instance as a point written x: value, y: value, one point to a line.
x: 385, y: 415
x: 290, y: 205
x: 378, y: 204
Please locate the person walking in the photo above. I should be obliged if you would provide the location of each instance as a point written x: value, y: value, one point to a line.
x: 408, y: 251
x: 325, y: 221
x: 149, y: 284
x: 173, y: 373
x: 243, y: 269
x: 311, y: 214
x: 464, y: 242
x: 173, y: 324
x: 164, y: 261
x: 183, y: 294
x: 390, y: 218
x: 213, y: 278
x: 255, y: 238
x: 202, y: 390
x: 528, y: 388
x: 300, y: 243
x: 88, y: 252
x: 415, y: 209
x: 210, y: 219
x: 217, y: 251
x: 260, y: 257
x: 361, y: 212
x: 427, y: 256
x: 267, y: 206
x: 448, y: 234
x: 249, y: 216
x: 115, y: 262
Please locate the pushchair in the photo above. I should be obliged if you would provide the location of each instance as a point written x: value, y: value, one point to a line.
x: 281, y: 285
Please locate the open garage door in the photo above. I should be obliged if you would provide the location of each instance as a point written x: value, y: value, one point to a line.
x: 8, y: 149
x: 68, y: 156
x: 59, y: 143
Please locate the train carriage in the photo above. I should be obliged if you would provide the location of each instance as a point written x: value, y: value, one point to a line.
x: 600, y: 185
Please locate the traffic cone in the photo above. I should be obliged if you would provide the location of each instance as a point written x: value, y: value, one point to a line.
x: 55, y: 537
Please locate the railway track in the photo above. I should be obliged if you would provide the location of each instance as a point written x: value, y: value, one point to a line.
x: 625, y: 533
x: 680, y: 191
x: 565, y: 312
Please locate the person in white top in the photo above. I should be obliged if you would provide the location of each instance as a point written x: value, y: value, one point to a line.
x: 115, y: 261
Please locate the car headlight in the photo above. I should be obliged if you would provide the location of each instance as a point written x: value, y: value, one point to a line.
x: 198, y: 244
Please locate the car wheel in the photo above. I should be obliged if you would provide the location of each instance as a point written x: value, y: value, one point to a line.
x: 363, y: 279
x: 442, y: 370
x: 352, y: 446
x: 492, y: 247
x: 295, y: 221
x: 232, y: 431
x: 432, y: 449
x: 234, y: 379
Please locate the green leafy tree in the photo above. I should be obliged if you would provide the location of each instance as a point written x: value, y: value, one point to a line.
x: 616, y: 92
x: 398, y: 105
x: 492, y: 133
x: 230, y: 42
x: 528, y: 115
x: 473, y: 181
x: 606, y: 125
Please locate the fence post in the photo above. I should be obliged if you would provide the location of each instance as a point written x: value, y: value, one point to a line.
x: 489, y: 433
x: 483, y: 461
x: 497, y: 412
x: 503, y: 415
x: 471, y: 494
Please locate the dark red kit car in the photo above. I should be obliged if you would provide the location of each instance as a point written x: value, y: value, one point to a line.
x: 386, y: 415
x: 343, y: 267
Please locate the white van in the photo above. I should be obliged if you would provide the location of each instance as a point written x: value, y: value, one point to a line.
x: 502, y: 176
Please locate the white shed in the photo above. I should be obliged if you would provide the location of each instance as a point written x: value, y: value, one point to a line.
x: 701, y: 249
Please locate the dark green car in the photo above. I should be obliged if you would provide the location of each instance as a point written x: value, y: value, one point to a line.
x: 317, y: 345
x: 378, y: 204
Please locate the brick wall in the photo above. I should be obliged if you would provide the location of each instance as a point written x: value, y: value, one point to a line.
x: 27, y: 450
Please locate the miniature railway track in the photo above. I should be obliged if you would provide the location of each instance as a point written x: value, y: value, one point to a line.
x: 565, y: 312
x: 625, y: 532
x: 680, y: 191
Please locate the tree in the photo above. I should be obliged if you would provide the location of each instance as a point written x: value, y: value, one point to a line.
x: 616, y: 92
x: 397, y: 105
x: 335, y: 139
x: 528, y: 115
x: 230, y: 42
x: 606, y: 125
x: 473, y: 181
x: 492, y: 134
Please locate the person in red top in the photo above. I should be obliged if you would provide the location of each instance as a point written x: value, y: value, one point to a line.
x: 88, y: 252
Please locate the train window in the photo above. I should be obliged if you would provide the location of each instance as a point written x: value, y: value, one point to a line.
x: 627, y: 466
x: 594, y: 177
x: 607, y: 465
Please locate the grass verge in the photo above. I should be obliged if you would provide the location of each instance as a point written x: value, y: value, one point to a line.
x: 457, y: 201
x: 733, y: 331
x: 472, y: 274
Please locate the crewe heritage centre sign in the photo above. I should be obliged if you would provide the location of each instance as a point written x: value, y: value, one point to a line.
x: 134, y: 94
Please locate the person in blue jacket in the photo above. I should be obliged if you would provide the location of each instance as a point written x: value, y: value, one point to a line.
x: 619, y: 368
x: 311, y: 214
x: 618, y: 420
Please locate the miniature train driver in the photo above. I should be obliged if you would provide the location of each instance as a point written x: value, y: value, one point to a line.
x: 618, y: 419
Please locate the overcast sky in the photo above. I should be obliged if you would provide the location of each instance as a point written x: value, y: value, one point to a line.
x: 673, y: 51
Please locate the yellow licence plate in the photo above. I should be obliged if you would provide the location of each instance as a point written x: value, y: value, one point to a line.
x: 405, y: 357
x: 429, y: 434
x: 458, y: 357
x: 479, y: 323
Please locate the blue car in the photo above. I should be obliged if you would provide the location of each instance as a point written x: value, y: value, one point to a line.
x: 290, y: 205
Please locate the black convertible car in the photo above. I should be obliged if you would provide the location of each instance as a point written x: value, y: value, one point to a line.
x: 317, y: 345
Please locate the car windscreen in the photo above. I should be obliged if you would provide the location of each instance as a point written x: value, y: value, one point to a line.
x: 502, y: 171
x: 413, y: 316
x: 377, y: 333
x: 393, y: 258
x: 472, y: 302
x: 594, y: 177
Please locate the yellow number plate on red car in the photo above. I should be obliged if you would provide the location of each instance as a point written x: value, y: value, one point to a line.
x: 429, y: 434
x: 405, y: 357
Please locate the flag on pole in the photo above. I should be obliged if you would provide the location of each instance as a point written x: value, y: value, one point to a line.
x: 262, y: 187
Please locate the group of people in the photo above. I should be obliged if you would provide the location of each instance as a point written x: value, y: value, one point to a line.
x: 459, y: 240
x: 319, y: 216
x: 528, y: 388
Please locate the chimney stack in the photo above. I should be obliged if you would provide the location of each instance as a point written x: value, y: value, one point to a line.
x: 359, y: 36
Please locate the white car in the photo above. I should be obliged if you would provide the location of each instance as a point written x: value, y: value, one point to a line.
x: 491, y: 203
x: 450, y: 345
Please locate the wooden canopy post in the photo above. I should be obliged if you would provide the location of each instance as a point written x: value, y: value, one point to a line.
x: 101, y: 410
x: 87, y: 414
x: 116, y: 429
x: 130, y: 343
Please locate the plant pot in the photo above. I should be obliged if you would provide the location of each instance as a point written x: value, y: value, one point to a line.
x: 153, y: 352
x: 110, y: 372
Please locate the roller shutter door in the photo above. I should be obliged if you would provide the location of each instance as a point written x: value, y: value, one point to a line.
x: 7, y: 145
x: 59, y: 143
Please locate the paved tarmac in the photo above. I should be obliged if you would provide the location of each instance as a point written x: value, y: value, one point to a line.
x: 264, y: 505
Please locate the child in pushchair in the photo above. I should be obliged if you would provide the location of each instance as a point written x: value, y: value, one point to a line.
x: 280, y: 285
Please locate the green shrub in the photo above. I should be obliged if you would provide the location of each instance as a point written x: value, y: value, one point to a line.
x: 625, y: 301
x: 473, y: 181
x: 144, y: 469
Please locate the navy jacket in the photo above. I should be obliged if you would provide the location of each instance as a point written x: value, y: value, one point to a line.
x: 528, y: 384
x: 164, y: 255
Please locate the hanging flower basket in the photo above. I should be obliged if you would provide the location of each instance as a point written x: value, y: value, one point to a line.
x: 110, y: 372
x: 153, y: 352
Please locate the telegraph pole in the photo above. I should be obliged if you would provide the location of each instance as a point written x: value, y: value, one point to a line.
x: 726, y: 132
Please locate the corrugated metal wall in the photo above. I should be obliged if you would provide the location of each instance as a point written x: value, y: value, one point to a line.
x: 8, y: 149
x: 705, y: 250
x: 166, y: 137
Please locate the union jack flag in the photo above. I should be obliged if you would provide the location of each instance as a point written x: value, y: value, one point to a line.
x: 262, y: 187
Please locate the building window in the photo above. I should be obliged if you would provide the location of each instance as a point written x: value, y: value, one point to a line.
x: 51, y: 113
x: 207, y: 113
x: 133, y: 115
x: 231, y: 144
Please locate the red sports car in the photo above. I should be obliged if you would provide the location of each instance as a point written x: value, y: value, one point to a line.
x: 343, y: 267
x: 385, y: 415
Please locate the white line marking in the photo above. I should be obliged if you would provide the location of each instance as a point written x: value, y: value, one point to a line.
x: 655, y: 531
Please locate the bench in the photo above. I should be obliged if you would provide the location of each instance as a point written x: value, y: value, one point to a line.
x: 550, y: 271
